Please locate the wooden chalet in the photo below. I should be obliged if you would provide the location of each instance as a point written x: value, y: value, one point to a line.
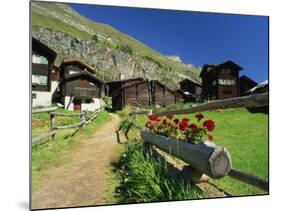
x: 191, y: 88
x: 42, y: 65
x: 80, y: 89
x: 112, y: 86
x: 246, y: 84
x: 162, y: 95
x: 220, y: 81
x: 142, y: 92
x: 135, y: 93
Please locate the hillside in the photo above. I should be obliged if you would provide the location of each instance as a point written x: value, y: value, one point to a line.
x: 114, y: 53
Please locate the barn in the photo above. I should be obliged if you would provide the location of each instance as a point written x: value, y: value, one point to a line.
x: 220, y: 81
x: 80, y: 89
x: 112, y: 86
x: 134, y: 93
x: 43, y: 82
x: 143, y: 92
x: 246, y: 84
x: 162, y: 95
x: 191, y: 87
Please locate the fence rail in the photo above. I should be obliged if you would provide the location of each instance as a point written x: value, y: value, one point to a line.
x: 44, y: 137
x: 43, y: 110
x: 64, y: 114
x: 54, y: 129
x: 249, y: 179
x: 251, y: 101
x: 257, y: 100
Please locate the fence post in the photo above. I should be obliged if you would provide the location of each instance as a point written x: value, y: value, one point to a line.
x: 83, y: 118
x: 52, y: 124
x: 134, y: 116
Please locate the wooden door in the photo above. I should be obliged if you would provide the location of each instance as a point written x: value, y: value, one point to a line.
x: 77, y: 105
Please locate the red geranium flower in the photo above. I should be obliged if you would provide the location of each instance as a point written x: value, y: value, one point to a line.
x: 183, y: 125
x: 170, y: 116
x: 209, y: 124
x: 154, y: 117
x: 199, y: 116
x: 186, y: 120
x: 193, y: 126
x: 176, y: 121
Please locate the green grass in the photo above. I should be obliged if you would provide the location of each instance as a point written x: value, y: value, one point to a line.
x: 51, y: 154
x: 58, y: 25
x: 41, y: 121
x: 145, y: 179
x: 245, y: 135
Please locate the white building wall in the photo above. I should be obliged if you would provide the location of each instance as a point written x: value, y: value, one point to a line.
x: 96, y: 104
x: 44, y: 98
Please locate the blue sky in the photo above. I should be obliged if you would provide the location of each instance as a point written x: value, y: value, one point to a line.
x: 198, y: 38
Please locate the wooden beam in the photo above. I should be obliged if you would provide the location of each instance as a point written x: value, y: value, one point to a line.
x: 249, y: 179
x: 64, y: 114
x: 251, y: 101
x: 43, y: 110
x: 69, y: 126
x: 40, y: 139
x: 206, y: 157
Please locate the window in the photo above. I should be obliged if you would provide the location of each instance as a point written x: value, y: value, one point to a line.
x: 225, y: 70
x: 37, y: 59
x: 70, y: 72
x: 214, y: 83
x: 226, y: 82
x: 227, y: 92
x: 40, y: 80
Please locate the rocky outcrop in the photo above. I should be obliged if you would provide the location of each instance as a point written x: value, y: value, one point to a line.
x: 103, y: 50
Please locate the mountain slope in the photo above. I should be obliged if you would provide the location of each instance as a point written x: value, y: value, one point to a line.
x: 114, y: 53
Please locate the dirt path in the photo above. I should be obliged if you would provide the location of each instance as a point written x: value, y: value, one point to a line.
x: 83, y: 181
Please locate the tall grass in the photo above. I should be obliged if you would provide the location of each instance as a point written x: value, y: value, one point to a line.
x: 145, y: 179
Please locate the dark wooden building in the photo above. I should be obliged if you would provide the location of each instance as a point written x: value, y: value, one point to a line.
x: 220, y: 81
x: 42, y: 64
x: 162, y: 95
x: 112, y: 86
x: 246, y: 84
x: 191, y: 88
x: 142, y: 92
x: 134, y: 94
x: 80, y: 89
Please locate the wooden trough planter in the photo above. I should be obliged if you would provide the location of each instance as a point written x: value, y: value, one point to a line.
x: 205, y: 157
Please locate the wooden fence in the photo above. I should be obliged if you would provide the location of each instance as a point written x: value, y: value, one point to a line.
x: 55, y: 128
x: 43, y: 110
x: 257, y: 100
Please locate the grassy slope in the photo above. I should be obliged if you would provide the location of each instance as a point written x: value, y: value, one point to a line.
x: 106, y: 30
x: 245, y: 135
x: 49, y: 155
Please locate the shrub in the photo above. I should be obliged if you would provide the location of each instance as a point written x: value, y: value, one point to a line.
x: 95, y: 38
x: 125, y: 48
x: 154, y: 61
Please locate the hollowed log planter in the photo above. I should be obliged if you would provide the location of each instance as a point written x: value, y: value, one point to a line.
x: 206, y: 157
